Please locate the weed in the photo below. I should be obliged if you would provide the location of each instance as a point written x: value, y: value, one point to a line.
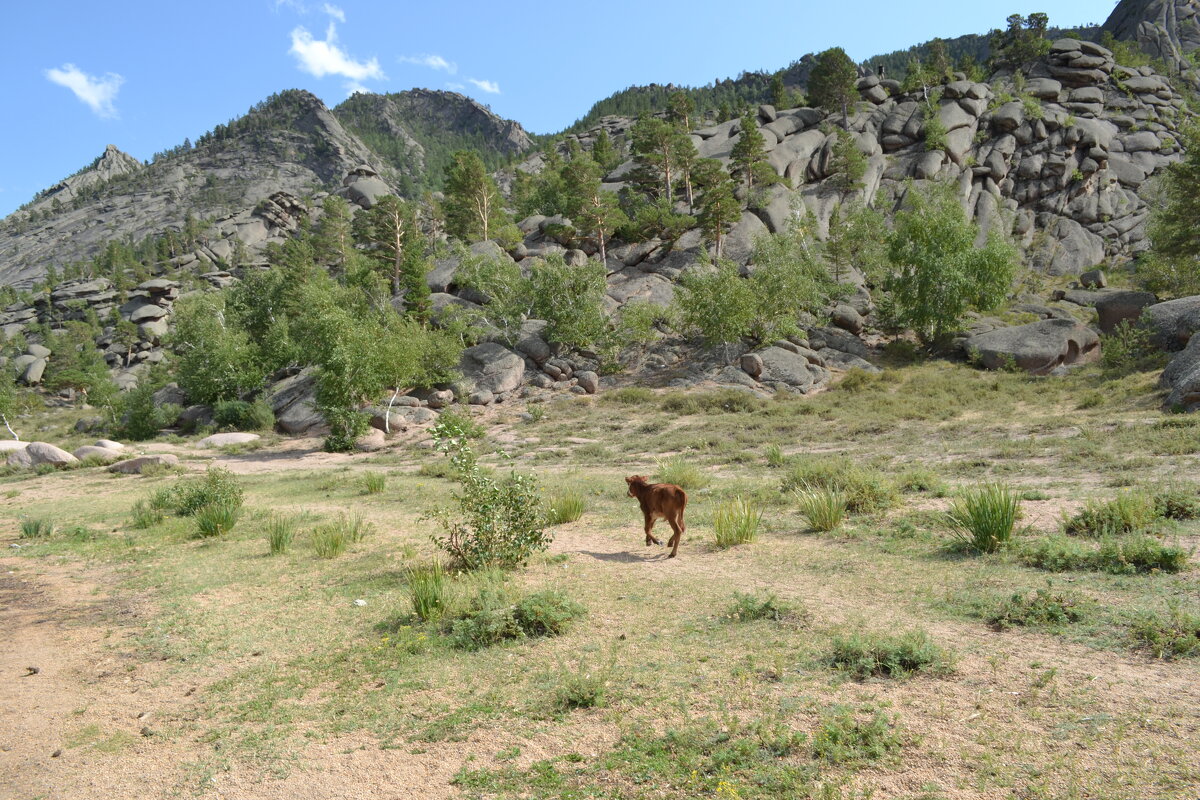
x: 721, y: 401
x: 356, y: 527
x: 493, y: 617
x: 546, y: 613
x: 751, y: 607
x: 922, y: 479
x: 681, y: 472
x: 1133, y: 554
x: 1041, y: 607
x: 1127, y: 512
x: 824, y: 508
x: 842, y: 737
x: 281, y: 531
x: 628, y: 396
x: 984, y: 519
x: 1176, y: 502
x: 866, y: 655
x: 1174, y: 635
x: 565, y: 507
x: 453, y: 425
x: 428, y: 590
x: 374, y: 482
x: 736, y: 522
x: 581, y: 686
x: 36, y: 528
x: 143, y: 515
x: 775, y: 456
x: 865, y: 491
x: 216, y: 519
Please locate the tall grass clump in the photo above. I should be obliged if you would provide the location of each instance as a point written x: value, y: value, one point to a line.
x: 144, y: 515
x: 216, y: 519
x: 985, y: 519
x: 428, y: 590
x: 218, y: 486
x: 775, y: 457
x: 374, y: 482
x: 36, y: 528
x: 866, y: 655
x: 866, y: 491
x: 736, y: 522
x: 1126, y: 513
x: 564, y: 507
x: 329, y: 540
x: 681, y: 472
x: 281, y: 531
x: 824, y: 508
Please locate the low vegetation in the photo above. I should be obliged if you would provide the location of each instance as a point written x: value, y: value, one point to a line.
x: 869, y: 655
x: 984, y: 519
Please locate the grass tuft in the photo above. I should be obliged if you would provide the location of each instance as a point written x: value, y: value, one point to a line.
x: 216, y: 519
x: 681, y: 472
x: 329, y: 540
x: 866, y: 655
x: 281, y: 531
x: 143, y: 515
x: 36, y: 528
x: 824, y: 508
x: 736, y: 522
x: 985, y: 519
x: 565, y: 507
x: 1126, y: 513
x: 1173, y: 635
x: 428, y: 591
x: 753, y: 607
x: 374, y: 482
x: 866, y: 491
x: 1040, y: 608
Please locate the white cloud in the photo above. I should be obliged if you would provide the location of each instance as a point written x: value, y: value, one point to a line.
x: 323, y: 57
x: 455, y: 87
x: 334, y: 12
x: 97, y: 93
x: 354, y: 87
x: 431, y: 61
x: 491, y: 87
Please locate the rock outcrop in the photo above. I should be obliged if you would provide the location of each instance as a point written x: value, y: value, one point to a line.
x: 1038, y: 347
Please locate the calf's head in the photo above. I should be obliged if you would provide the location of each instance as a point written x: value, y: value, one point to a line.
x: 635, y: 482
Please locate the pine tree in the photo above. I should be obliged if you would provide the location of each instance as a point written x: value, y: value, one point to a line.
x: 333, y: 240
x: 749, y: 157
x: 1173, y: 265
x: 1024, y: 40
x: 655, y: 146
x: 778, y: 91
x: 831, y: 84
x: 680, y: 108
x: 847, y: 165
x: 593, y: 210
x: 392, y: 238
x: 603, y: 152
x: 473, y: 207
x: 719, y: 207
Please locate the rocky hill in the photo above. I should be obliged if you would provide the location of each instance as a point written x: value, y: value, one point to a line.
x: 1168, y: 30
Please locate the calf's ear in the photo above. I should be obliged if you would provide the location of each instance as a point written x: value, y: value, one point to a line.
x: 630, y: 480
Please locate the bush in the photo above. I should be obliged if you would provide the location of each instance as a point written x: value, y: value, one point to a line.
x: 1176, y: 502
x: 681, y: 472
x: 36, y: 528
x: 864, y: 655
x: 842, y: 737
x: 985, y: 519
x: 1129, y: 348
x: 823, y: 508
x: 216, y: 519
x: 219, y: 486
x: 751, y: 607
x: 428, y: 591
x: 502, y: 523
x: 329, y: 541
x: 736, y: 522
x: 453, y: 425
x: 144, y: 515
x: 922, y: 479
x: 1125, y: 513
x: 1042, y: 607
x: 238, y: 415
x: 280, y: 532
x: 1176, y: 635
x: 564, y: 507
x: 865, y: 491
x: 1133, y: 554
x: 1056, y: 554
x: 140, y: 419
x: 582, y: 687
x: 493, y: 617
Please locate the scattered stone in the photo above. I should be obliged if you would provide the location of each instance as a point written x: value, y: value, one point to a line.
x: 224, y: 439
x: 109, y: 444
x: 1122, y: 306
x: 492, y: 367
x: 1181, y: 378
x: 589, y: 380
x: 1093, y: 279
x: 91, y: 451
x: 371, y: 441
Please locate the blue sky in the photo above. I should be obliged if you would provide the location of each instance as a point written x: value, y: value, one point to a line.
x: 144, y: 75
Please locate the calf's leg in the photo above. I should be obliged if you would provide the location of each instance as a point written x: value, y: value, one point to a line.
x: 676, y: 523
x: 650, y: 525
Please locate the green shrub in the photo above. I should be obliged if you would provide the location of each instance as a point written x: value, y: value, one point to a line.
x: 36, y: 528
x: 582, y: 687
x: 824, y: 508
x: 842, y: 737
x: 219, y: 486
x: 1041, y: 607
x: 866, y: 655
x: 502, y: 522
x: 922, y: 479
x: 1130, y: 348
x: 140, y: 419
x: 281, y: 531
x: 329, y: 541
x: 546, y: 613
x: 865, y: 491
x: 628, y: 396
x: 374, y: 482
x: 453, y: 425
x: 238, y: 415
x: 775, y: 456
x: 1176, y: 502
x: 751, y: 607
x: 1056, y: 554
x: 564, y: 507
x: 1175, y: 635
x: 216, y: 519
x: 985, y: 519
x: 145, y: 515
x: 1133, y: 554
x: 1127, y: 512
x: 681, y: 472
x: 494, y: 617
x: 428, y: 590
x: 736, y: 522
x: 935, y: 132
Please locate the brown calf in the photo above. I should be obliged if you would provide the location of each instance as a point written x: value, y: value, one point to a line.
x: 664, y: 500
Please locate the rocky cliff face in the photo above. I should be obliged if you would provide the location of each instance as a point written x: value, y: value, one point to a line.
x: 1167, y: 29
